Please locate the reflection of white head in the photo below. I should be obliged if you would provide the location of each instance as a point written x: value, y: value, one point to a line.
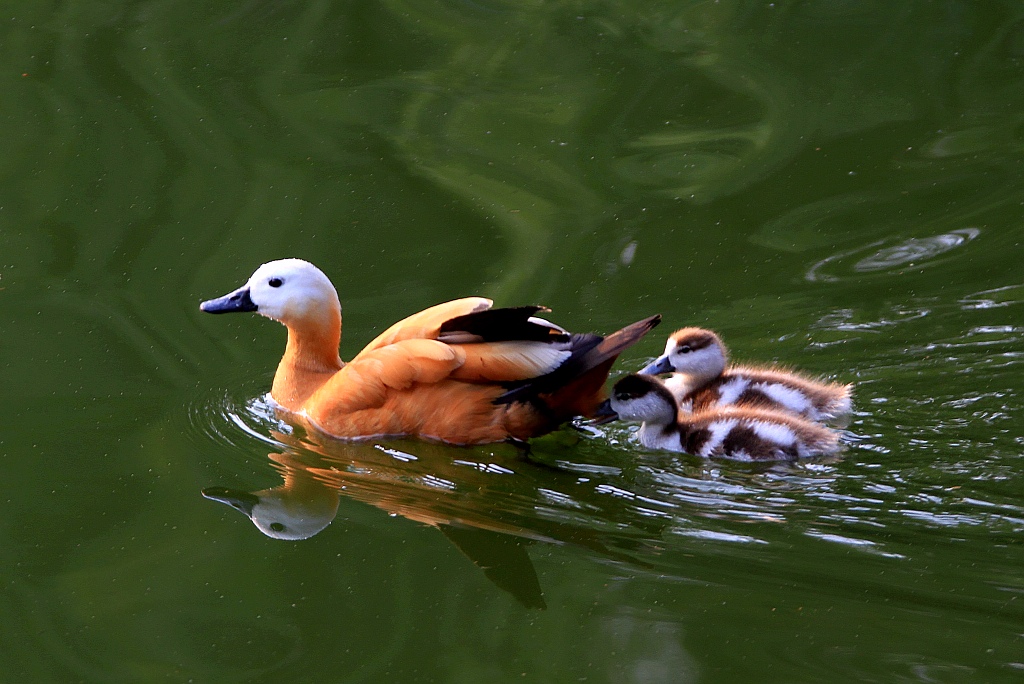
x: 281, y: 515
x: 286, y: 512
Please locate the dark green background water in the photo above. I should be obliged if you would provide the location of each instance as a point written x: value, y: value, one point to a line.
x: 833, y: 185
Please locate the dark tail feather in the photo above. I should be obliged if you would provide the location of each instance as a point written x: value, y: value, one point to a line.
x: 575, y: 387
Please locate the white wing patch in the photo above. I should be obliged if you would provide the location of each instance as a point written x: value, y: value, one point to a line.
x: 544, y: 357
x: 539, y: 357
x: 513, y: 360
x: 731, y: 390
x: 547, y: 324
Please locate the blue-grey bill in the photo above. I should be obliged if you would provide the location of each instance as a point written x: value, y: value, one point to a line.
x: 656, y: 367
x: 604, y: 413
x: 239, y: 300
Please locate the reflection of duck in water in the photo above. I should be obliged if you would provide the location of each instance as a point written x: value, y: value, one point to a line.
x: 459, y: 372
x: 745, y: 434
x: 702, y: 378
x: 489, y: 512
x: 297, y: 509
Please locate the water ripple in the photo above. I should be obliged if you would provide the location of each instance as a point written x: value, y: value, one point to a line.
x: 915, y: 250
x: 912, y: 253
x: 234, y: 422
x: 994, y: 298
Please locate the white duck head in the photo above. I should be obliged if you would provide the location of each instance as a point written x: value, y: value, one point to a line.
x: 286, y: 290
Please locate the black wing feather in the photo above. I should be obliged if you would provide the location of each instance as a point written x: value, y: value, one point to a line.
x: 499, y: 325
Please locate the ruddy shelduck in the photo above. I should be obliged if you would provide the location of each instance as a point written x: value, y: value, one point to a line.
x: 459, y: 372
x: 702, y: 378
x: 744, y: 434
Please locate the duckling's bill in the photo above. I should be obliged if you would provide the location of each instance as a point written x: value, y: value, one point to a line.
x: 659, y: 366
x: 604, y: 413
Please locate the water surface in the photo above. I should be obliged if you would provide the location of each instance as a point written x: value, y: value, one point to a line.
x: 833, y: 186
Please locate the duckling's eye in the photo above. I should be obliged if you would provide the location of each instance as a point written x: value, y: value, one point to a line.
x: 277, y: 527
x: 685, y: 349
x: 275, y: 282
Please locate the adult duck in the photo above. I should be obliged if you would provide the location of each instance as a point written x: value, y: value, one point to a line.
x: 744, y: 434
x: 703, y: 378
x: 459, y: 372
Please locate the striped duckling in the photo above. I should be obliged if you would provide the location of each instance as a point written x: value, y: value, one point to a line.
x: 702, y: 378
x: 738, y: 433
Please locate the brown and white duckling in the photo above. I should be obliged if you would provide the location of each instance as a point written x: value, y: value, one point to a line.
x: 743, y: 434
x: 702, y: 378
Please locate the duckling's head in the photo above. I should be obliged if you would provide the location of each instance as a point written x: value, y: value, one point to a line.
x: 693, y: 351
x: 287, y: 290
x: 643, y: 398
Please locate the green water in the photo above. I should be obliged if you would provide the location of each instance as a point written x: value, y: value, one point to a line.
x: 835, y: 185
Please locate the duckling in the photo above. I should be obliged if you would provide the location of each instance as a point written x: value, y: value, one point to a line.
x: 460, y: 372
x: 743, y: 434
x: 701, y: 378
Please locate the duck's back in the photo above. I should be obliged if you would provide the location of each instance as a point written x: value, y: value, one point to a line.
x: 483, y: 375
x: 426, y: 324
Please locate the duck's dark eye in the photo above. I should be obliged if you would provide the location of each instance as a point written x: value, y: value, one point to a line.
x: 275, y: 282
x: 277, y: 527
x: 685, y: 349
